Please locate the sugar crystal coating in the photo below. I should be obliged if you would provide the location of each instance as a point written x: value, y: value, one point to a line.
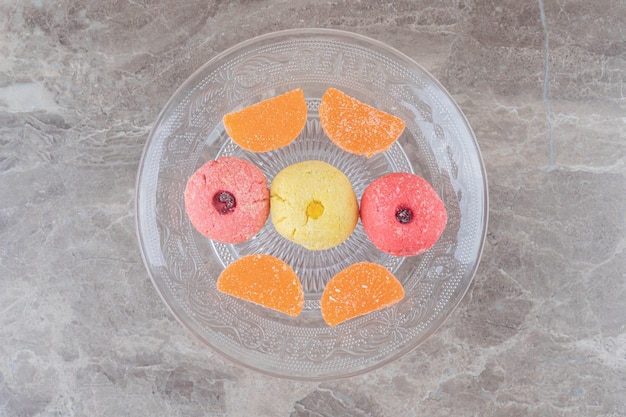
x: 268, y: 124
x: 359, y: 289
x: 394, y: 231
x: 357, y: 127
x: 265, y: 280
x: 227, y: 200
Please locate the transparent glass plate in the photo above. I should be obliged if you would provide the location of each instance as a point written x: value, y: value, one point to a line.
x: 437, y: 144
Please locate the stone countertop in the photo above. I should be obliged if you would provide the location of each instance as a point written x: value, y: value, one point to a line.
x: 541, y: 331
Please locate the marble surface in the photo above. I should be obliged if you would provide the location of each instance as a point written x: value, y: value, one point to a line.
x: 542, y: 331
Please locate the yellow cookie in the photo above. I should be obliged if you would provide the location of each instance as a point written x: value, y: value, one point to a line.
x: 313, y: 204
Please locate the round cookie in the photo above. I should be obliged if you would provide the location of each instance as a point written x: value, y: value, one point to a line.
x: 402, y: 214
x: 313, y: 204
x: 227, y: 200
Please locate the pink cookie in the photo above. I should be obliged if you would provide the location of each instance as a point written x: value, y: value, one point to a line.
x: 227, y: 200
x: 402, y: 214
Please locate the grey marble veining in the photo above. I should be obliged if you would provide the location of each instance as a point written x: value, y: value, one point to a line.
x: 542, y: 331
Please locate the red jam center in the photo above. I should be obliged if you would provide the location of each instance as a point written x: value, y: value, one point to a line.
x: 224, y: 202
x: 404, y: 215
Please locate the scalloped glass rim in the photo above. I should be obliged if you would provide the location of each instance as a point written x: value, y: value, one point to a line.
x: 438, y: 144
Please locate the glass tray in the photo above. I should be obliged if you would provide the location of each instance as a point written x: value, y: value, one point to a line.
x: 437, y: 144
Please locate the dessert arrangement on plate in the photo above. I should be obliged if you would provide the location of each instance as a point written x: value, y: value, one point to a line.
x: 311, y: 204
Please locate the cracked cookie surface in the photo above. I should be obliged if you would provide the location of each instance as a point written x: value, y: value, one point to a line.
x: 313, y: 204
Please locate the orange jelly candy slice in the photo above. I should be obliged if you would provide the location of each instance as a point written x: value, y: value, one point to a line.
x: 357, y: 127
x: 268, y: 124
x: 357, y: 290
x: 264, y: 280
